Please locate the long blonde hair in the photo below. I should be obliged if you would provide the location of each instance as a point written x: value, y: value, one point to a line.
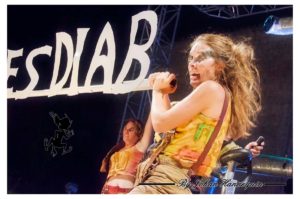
x: 241, y: 77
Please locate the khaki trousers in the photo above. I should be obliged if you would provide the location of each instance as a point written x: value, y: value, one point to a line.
x: 167, y: 171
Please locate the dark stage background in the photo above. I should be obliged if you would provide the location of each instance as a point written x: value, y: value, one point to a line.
x: 96, y: 117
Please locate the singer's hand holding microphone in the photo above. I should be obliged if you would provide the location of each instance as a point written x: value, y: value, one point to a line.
x: 163, y: 82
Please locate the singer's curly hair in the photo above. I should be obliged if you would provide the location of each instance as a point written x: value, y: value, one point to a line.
x: 241, y: 77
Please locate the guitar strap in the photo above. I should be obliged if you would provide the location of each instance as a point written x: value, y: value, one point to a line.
x: 213, y: 136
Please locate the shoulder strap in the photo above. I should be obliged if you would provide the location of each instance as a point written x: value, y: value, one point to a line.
x: 213, y: 136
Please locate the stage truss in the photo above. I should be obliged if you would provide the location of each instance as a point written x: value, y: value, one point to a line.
x: 138, y: 103
x: 238, y: 11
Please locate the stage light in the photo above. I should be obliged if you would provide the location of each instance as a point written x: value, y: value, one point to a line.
x: 278, y: 26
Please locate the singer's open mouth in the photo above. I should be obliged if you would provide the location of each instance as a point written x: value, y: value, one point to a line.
x: 195, y: 76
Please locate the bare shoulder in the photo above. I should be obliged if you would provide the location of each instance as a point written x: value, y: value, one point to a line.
x: 212, y: 95
x: 212, y: 88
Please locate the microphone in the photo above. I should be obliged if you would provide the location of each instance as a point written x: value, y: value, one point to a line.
x: 260, y: 140
x: 144, y: 85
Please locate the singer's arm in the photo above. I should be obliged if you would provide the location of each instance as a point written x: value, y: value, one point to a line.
x: 206, y: 98
x: 145, y: 141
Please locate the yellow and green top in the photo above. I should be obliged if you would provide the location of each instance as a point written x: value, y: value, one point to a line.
x: 190, y: 139
x: 125, y: 162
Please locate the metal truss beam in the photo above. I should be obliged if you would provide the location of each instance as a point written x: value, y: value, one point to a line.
x: 138, y: 103
x: 238, y: 11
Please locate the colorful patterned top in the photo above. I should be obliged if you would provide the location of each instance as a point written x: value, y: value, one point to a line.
x: 125, y: 162
x: 190, y: 139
